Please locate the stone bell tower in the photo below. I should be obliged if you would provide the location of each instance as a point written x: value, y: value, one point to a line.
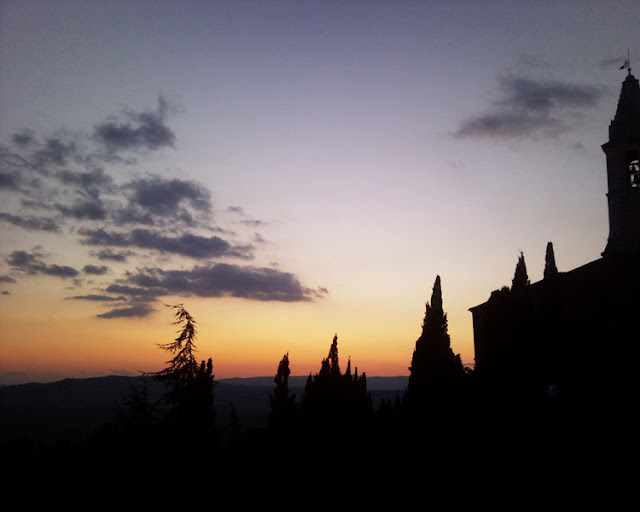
x: 623, y: 173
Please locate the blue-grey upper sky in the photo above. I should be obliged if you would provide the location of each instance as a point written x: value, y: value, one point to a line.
x: 335, y: 154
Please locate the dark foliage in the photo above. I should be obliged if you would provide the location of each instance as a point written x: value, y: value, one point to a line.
x: 332, y: 398
x: 520, y: 278
x: 283, y: 404
x: 454, y: 438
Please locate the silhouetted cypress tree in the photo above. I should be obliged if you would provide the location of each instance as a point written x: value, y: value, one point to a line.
x: 332, y: 358
x: 331, y: 398
x: 434, y: 366
x: 283, y: 405
x: 520, y: 278
x: 550, y: 269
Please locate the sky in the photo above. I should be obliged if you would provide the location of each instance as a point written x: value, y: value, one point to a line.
x: 289, y: 170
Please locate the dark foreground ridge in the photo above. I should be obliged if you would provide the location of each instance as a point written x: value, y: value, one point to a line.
x: 70, y: 409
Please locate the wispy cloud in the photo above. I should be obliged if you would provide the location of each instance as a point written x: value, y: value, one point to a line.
x: 32, y: 263
x: 137, y: 311
x: 31, y: 223
x: 98, y: 298
x: 528, y: 106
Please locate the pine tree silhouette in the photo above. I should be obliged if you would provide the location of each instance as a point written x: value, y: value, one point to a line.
x: 190, y: 385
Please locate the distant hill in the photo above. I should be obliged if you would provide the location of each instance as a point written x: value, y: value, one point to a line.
x: 72, y: 408
x: 373, y: 383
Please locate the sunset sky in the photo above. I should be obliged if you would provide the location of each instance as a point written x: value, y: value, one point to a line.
x: 290, y: 170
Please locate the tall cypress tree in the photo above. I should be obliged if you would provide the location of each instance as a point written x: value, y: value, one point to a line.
x: 333, y: 398
x: 433, y: 365
x: 283, y: 405
x: 520, y: 278
x: 332, y: 358
x: 550, y: 269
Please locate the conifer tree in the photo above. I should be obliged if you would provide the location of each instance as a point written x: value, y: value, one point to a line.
x: 331, y: 397
x: 550, y: 269
x: 332, y: 358
x: 520, y: 278
x: 283, y: 405
x: 190, y: 384
x: 433, y: 365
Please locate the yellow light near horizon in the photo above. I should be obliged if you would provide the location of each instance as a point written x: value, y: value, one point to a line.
x: 244, y: 338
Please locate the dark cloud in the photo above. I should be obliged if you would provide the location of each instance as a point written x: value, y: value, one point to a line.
x: 23, y: 138
x: 162, y: 196
x: 9, y: 180
x: 22, y: 260
x: 12, y: 166
x: 527, y: 106
x: 5, y: 292
x: 140, y: 131
x: 102, y: 237
x: 98, y: 298
x: 92, y: 183
x: 224, y: 280
x: 33, y: 264
x: 84, y: 210
x: 506, y: 125
x: 31, y: 223
x: 7, y: 279
x: 136, y: 291
x: 59, y: 271
x: 95, y: 270
x: 540, y: 97
x: 193, y: 246
x: 136, y: 311
x: 64, y: 173
x: 110, y: 255
x: 58, y: 184
x: 55, y: 151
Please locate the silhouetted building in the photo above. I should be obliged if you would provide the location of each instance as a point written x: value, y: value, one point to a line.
x: 576, y: 332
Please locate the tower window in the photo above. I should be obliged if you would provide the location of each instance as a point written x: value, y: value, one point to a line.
x: 634, y: 173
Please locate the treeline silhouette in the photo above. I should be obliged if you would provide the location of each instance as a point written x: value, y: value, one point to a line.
x: 447, y: 442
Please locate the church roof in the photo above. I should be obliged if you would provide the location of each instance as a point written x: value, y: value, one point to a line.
x: 626, y: 124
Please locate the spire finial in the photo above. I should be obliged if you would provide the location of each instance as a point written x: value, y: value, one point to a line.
x: 627, y: 64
